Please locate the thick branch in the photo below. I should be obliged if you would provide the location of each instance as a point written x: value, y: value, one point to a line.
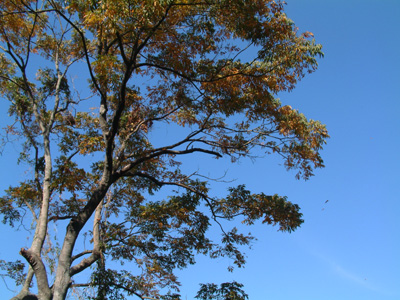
x: 81, y: 254
x: 56, y: 218
x: 40, y: 272
x: 85, y: 263
x: 165, y: 151
x: 96, y: 252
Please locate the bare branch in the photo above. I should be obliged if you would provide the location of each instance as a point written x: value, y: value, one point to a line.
x: 81, y: 254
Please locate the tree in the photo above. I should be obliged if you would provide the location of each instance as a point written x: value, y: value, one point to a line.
x: 212, y: 68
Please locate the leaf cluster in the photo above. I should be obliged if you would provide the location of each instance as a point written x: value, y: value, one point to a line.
x: 226, y: 291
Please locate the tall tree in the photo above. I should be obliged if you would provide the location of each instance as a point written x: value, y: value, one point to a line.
x: 210, y: 67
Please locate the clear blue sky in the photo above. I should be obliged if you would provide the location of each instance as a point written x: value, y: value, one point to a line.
x: 349, y: 247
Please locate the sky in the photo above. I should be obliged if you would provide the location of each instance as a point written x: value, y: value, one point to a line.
x: 349, y: 246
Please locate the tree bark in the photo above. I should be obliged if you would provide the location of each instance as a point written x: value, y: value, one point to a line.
x: 64, y: 272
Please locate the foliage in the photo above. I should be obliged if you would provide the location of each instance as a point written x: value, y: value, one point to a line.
x: 227, y: 291
x: 212, y: 69
x: 13, y: 270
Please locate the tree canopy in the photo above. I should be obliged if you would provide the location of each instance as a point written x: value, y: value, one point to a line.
x: 89, y: 82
